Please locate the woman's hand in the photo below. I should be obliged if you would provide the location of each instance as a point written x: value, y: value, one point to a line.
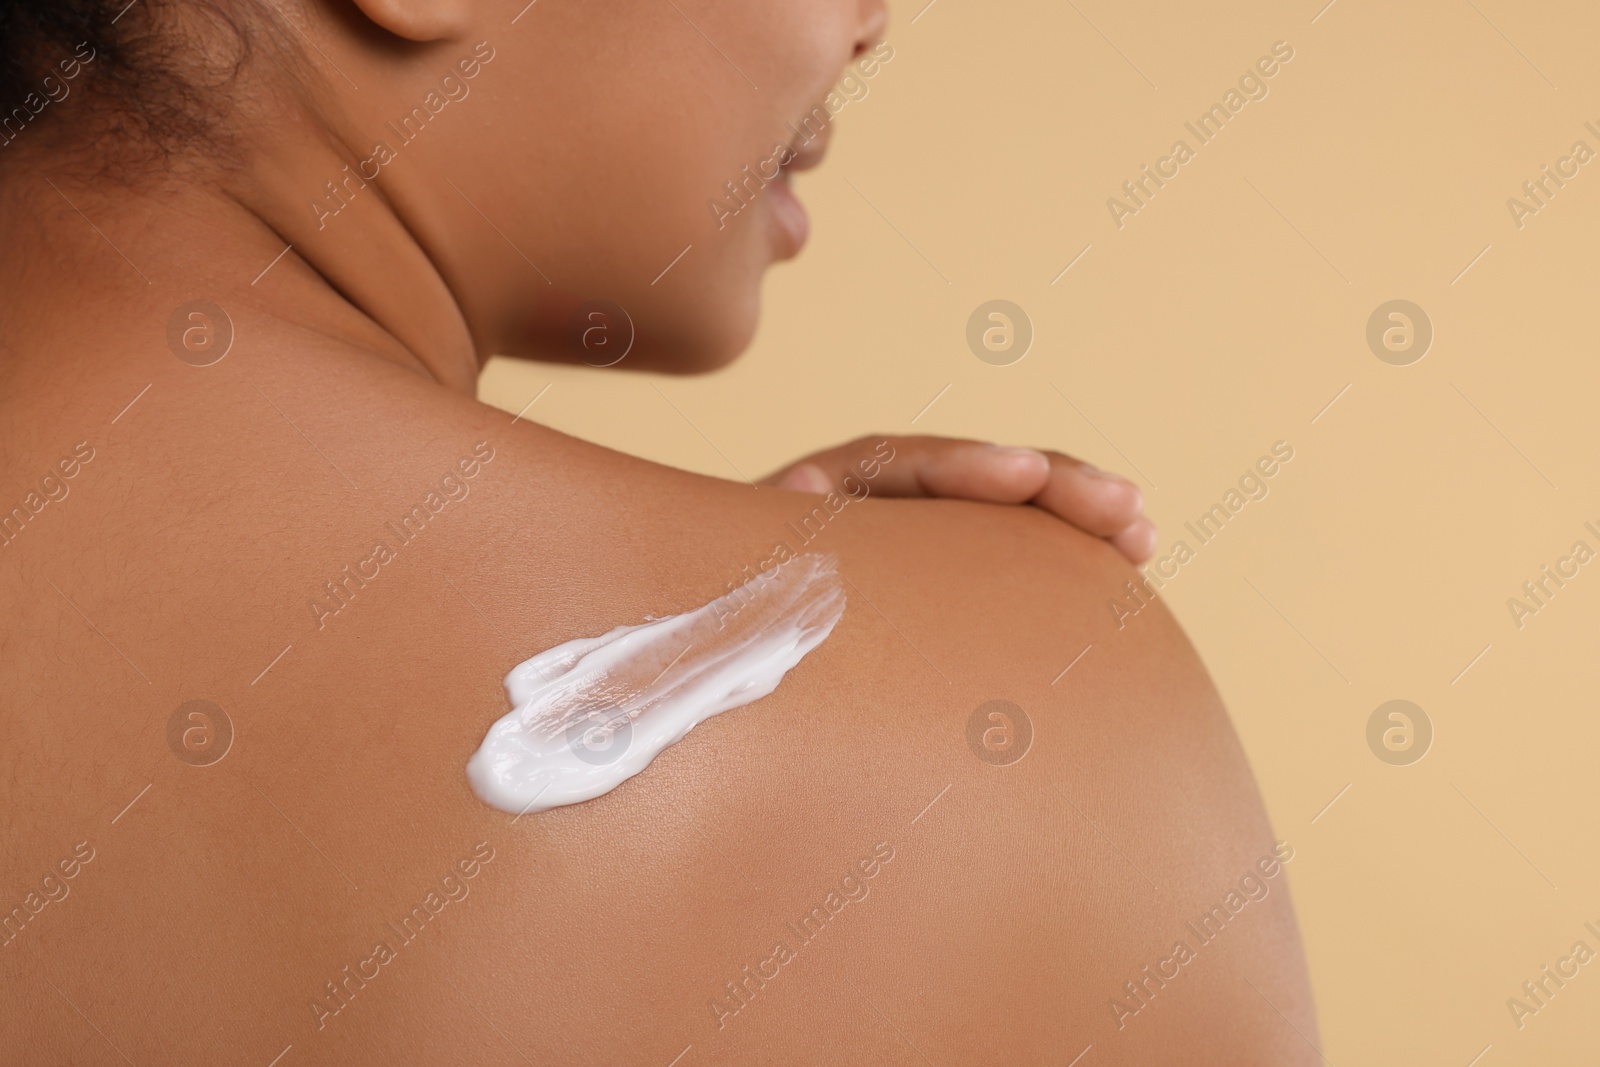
x: 1105, y: 505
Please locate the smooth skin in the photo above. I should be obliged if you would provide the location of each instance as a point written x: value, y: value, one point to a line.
x: 185, y: 558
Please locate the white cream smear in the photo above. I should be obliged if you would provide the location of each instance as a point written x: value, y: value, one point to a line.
x: 589, y: 714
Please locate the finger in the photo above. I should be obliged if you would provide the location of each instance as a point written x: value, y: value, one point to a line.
x: 1098, y: 502
x: 973, y: 470
x: 923, y: 467
x: 1094, y: 500
x: 804, y: 477
x: 1137, y: 541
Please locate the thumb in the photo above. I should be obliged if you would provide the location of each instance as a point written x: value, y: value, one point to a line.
x: 804, y: 477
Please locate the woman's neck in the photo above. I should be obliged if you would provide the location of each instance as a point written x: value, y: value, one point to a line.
x: 87, y: 253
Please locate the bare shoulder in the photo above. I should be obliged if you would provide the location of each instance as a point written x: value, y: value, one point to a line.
x: 1080, y: 853
x: 980, y: 820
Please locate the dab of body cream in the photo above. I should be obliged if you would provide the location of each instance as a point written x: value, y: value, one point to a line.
x: 590, y: 714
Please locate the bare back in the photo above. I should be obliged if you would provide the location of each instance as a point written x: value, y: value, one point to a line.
x: 875, y: 864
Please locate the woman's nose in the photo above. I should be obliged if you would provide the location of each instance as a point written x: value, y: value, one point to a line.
x: 874, y: 19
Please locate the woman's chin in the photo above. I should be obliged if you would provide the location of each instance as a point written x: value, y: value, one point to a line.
x: 705, y: 347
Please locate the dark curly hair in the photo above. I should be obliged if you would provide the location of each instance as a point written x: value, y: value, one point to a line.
x: 147, y: 84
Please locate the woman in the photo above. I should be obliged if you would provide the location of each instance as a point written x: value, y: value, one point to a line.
x: 269, y: 562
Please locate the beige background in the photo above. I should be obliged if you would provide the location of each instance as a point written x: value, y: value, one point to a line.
x: 1225, y: 316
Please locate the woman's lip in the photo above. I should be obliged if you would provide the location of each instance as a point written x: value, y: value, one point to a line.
x: 788, y: 214
x: 790, y: 218
x: 809, y: 155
